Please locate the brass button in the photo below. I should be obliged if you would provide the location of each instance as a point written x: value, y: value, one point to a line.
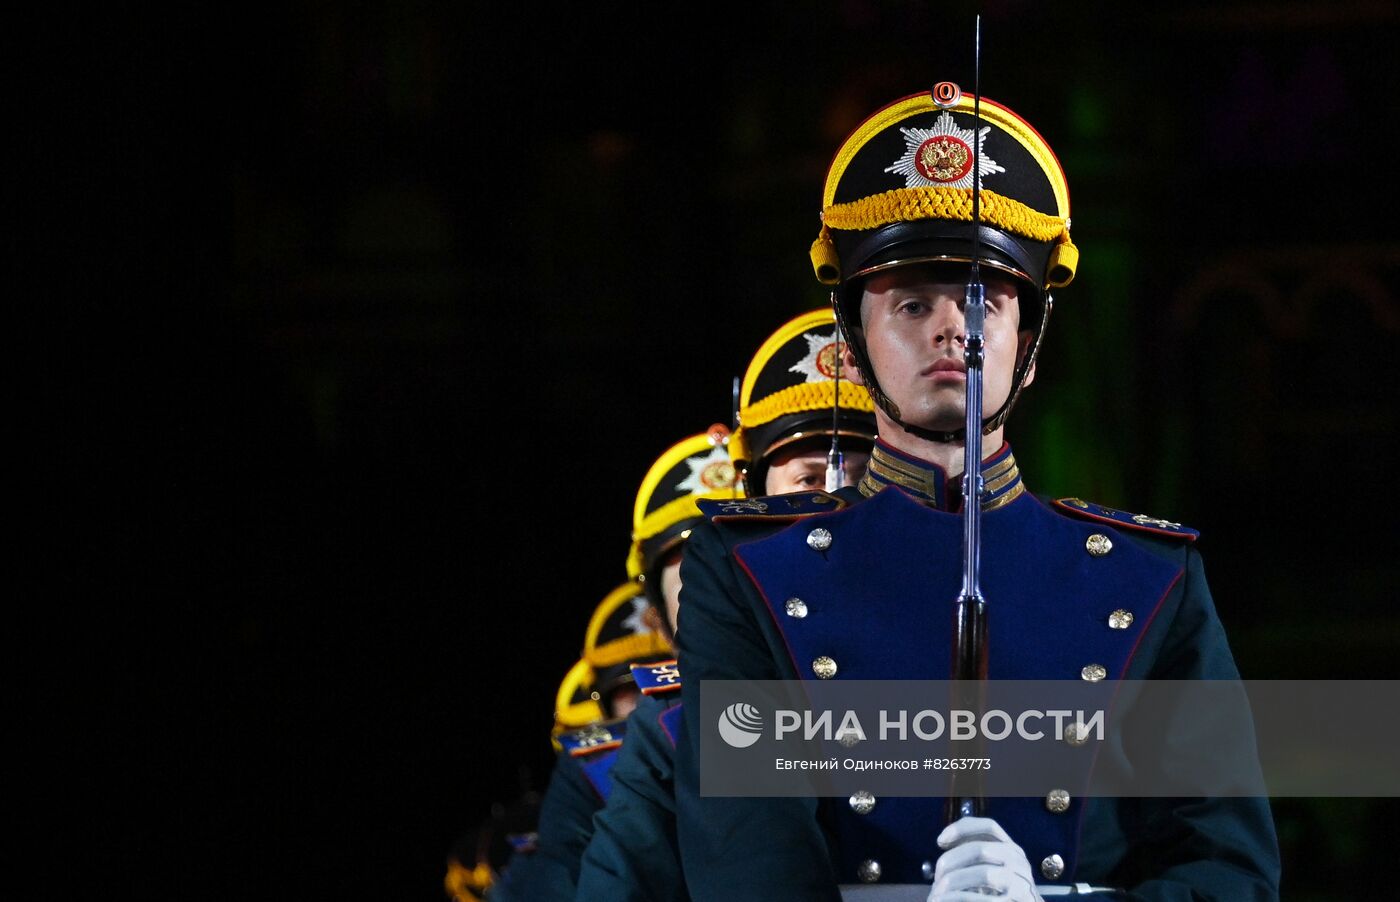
x: 929, y: 870
x: 1093, y: 672
x: 1076, y: 734
x: 1098, y: 544
x: 796, y: 607
x: 819, y: 539
x: 1120, y: 619
x: 1052, y: 867
x: 862, y: 802
x: 869, y: 871
x: 824, y: 668
x: 1057, y: 801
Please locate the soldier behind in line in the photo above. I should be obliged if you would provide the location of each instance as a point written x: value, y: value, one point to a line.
x: 789, y: 409
x: 577, y: 704
x: 624, y: 629
x: 860, y: 584
x: 788, y: 405
x: 477, y: 860
x: 470, y: 873
x: 667, y: 508
x: 590, y: 720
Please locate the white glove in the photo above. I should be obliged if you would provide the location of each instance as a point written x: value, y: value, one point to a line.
x: 981, y: 860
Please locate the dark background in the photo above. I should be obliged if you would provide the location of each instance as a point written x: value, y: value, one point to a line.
x: 361, y: 324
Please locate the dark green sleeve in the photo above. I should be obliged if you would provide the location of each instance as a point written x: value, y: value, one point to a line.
x: 633, y: 856
x: 566, y: 824
x: 1190, y: 849
x: 735, y: 848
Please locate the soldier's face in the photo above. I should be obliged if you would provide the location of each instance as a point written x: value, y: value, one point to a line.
x: 623, y: 702
x: 802, y: 468
x: 912, y: 319
x: 671, y: 588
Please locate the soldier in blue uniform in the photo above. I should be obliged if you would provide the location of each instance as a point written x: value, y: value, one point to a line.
x: 792, y: 400
x: 791, y: 403
x: 859, y: 584
x: 591, y: 708
x: 627, y: 628
x: 633, y: 853
x: 694, y: 469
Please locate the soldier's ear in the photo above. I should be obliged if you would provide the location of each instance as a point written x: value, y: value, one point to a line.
x: 1024, y: 340
x: 850, y: 370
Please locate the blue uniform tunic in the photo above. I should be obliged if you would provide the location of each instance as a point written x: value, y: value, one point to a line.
x: 877, y: 602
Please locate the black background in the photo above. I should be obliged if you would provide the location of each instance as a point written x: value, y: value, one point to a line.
x: 358, y: 326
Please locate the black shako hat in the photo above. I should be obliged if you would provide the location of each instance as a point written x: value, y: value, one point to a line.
x: 899, y: 192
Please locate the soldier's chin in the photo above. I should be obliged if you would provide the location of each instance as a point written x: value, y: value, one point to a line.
x: 942, y: 418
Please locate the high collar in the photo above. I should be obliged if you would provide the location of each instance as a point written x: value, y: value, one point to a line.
x: 1001, y: 478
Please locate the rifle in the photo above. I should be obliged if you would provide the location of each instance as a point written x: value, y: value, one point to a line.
x: 970, y: 611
